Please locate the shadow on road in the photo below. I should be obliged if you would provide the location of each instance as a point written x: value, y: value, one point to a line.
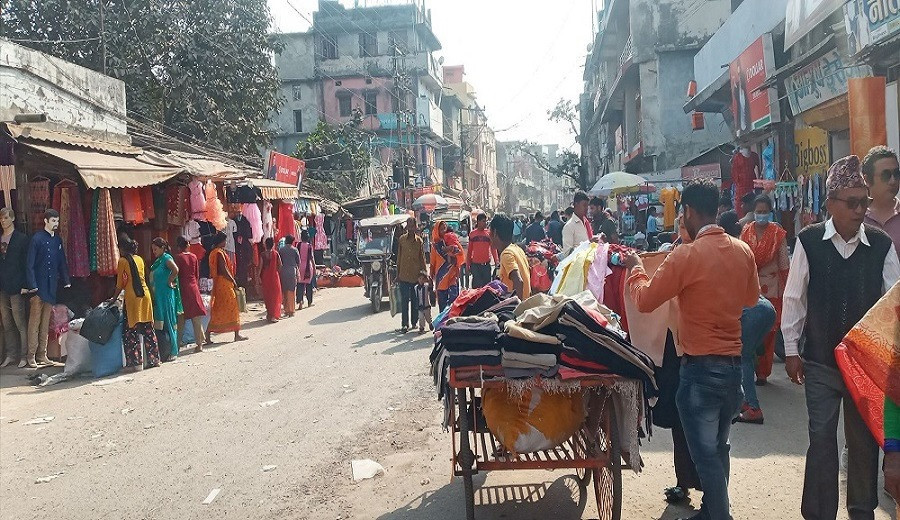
x: 345, y: 315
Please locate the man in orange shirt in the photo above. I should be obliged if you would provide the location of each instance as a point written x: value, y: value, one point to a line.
x: 711, y: 300
x: 480, y: 253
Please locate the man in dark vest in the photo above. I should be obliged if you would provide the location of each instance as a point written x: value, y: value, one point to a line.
x: 840, y: 268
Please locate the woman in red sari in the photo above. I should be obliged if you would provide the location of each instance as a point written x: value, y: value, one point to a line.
x: 188, y: 279
x: 223, y: 308
x: 271, y: 281
x: 767, y: 241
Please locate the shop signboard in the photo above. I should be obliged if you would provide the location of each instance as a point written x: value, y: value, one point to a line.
x: 753, y: 107
x: 870, y: 21
x: 663, y: 176
x: 810, y: 151
x: 702, y: 171
x: 802, y: 16
x: 820, y: 81
x: 285, y: 168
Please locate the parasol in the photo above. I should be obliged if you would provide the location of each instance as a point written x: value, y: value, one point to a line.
x: 430, y: 202
x: 617, y: 183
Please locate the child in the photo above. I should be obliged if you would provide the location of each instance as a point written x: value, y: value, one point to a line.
x: 424, y: 301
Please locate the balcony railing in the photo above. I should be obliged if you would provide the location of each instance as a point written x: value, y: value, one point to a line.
x: 627, y: 52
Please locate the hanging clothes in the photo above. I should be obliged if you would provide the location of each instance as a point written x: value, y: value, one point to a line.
x: 39, y: 194
x: 107, y: 240
x: 147, y: 203
x: 267, y: 220
x: 669, y: 197
x: 285, y: 220
x: 7, y: 170
x: 243, y: 250
x: 215, y: 213
x: 743, y: 172
x: 72, y: 230
x: 132, y: 206
x: 92, y: 244
x: 252, y: 214
x: 197, y: 199
x: 321, y: 241
x: 176, y: 204
x: 768, y: 157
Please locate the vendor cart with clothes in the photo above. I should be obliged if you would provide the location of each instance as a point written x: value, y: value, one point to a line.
x: 546, y: 383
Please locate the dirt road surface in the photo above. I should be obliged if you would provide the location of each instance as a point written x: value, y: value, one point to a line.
x: 307, y: 395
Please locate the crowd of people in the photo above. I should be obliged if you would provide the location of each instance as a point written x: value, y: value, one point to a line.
x: 731, y: 319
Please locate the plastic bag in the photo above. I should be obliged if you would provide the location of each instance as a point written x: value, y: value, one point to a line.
x: 100, y: 322
x: 534, y: 421
x: 107, y: 358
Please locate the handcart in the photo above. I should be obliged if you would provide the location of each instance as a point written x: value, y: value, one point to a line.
x: 594, y: 452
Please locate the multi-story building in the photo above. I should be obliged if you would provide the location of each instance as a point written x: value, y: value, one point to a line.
x: 475, y: 175
x: 377, y: 60
x: 525, y: 185
x: 639, y: 65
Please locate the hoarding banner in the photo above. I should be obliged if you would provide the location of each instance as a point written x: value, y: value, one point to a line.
x: 811, y: 153
x: 820, y: 81
x: 870, y: 21
x: 802, y: 16
x: 702, y: 171
x: 285, y: 168
x: 753, y: 108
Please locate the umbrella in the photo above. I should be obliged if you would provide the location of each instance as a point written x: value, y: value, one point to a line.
x: 615, y: 183
x: 430, y: 202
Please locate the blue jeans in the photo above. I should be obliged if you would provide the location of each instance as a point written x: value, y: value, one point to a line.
x: 756, y: 322
x: 445, y: 298
x: 409, y: 309
x: 709, y: 397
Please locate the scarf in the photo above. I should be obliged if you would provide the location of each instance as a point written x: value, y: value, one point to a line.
x: 764, y: 248
x: 135, y: 277
x: 445, y: 265
x: 869, y: 360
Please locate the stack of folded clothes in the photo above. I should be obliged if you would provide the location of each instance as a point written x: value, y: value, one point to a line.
x: 471, y: 340
x: 525, y: 353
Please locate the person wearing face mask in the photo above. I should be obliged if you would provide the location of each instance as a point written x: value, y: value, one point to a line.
x: 711, y: 300
x: 768, y: 242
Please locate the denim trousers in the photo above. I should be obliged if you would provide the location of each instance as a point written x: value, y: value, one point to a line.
x: 481, y: 275
x: 756, y: 322
x: 409, y: 309
x: 709, y: 397
x: 445, y: 298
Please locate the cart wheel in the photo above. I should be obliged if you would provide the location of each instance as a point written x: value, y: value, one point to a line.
x: 608, y: 479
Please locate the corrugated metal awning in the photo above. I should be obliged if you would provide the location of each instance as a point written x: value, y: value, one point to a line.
x: 274, y: 190
x: 105, y: 170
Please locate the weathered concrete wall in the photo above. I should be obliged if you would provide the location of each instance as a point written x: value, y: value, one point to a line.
x: 34, y: 82
x: 356, y: 88
x: 751, y: 19
x: 666, y: 24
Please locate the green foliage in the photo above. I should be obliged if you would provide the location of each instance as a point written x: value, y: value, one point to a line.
x: 336, y: 159
x: 193, y: 69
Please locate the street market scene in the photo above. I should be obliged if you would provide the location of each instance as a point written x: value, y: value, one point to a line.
x: 398, y: 259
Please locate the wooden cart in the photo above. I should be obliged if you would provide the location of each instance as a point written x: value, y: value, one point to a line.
x: 594, y: 455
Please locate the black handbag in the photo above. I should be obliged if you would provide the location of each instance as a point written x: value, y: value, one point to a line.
x: 100, y: 322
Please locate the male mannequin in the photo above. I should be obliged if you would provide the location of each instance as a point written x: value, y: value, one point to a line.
x: 13, y: 253
x: 44, y: 268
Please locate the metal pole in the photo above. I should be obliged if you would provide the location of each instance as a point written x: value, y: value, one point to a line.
x: 102, y: 36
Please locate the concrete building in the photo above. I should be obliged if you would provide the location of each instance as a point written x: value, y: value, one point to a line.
x: 526, y: 186
x: 32, y: 82
x: 378, y: 60
x: 635, y: 77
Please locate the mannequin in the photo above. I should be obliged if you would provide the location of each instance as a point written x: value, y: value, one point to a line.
x: 243, y: 234
x: 44, y: 268
x: 745, y: 167
x: 13, y: 253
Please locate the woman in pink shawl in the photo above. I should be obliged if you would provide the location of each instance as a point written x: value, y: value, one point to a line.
x: 447, y: 256
x: 306, y: 270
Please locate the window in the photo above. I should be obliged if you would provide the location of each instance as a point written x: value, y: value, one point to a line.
x: 344, y: 106
x: 368, y: 45
x: 297, y: 92
x: 329, y: 48
x: 371, y: 99
x: 298, y: 121
x: 399, y: 40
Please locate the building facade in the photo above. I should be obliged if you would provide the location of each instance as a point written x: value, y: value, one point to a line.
x: 640, y: 62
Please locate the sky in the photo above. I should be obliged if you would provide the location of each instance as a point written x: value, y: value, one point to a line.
x: 521, y: 56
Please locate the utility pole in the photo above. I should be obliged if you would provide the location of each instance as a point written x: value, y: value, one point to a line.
x: 102, y: 36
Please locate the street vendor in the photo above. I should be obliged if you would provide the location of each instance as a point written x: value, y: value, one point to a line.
x: 711, y: 300
x: 514, y: 273
x: 839, y: 270
x: 578, y: 228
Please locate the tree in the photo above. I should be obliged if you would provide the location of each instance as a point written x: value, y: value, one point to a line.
x: 569, y: 164
x: 336, y: 158
x: 196, y: 70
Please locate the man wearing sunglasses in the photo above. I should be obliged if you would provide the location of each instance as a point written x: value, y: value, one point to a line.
x: 882, y: 172
x: 839, y: 270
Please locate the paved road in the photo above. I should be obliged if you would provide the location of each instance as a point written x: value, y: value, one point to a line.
x: 339, y: 384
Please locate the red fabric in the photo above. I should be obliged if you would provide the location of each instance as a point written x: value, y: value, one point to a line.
x: 480, y: 250
x: 466, y: 297
x: 587, y: 226
x: 540, y: 278
x: 868, y: 397
x: 614, y: 293
x: 147, y: 202
x: 271, y: 286
x: 188, y: 280
x: 132, y: 206
x: 285, y: 220
x: 743, y: 172
x: 583, y: 365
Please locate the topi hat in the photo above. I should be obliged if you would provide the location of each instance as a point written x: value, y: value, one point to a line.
x: 845, y: 173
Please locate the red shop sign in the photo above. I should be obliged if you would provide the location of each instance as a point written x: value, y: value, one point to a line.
x: 285, y: 168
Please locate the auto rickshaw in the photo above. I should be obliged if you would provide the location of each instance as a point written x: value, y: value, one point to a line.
x: 375, y: 250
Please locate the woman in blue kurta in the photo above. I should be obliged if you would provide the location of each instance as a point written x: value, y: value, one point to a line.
x: 166, y: 294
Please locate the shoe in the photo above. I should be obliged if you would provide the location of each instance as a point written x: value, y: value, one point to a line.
x: 7, y: 362
x: 404, y: 330
x: 31, y: 363
x: 761, y: 381
x: 421, y: 330
x: 23, y: 363
x: 745, y: 407
x: 45, y: 362
x: 752, y: 416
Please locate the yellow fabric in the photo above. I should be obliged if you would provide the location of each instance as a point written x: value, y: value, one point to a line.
x: 533, y: 422
x: 138, y: 308
x: 668, y: 197
x: 513, y: 259
x: 575, y: 274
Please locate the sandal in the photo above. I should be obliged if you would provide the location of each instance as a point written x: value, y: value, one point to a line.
x: 677, y: 494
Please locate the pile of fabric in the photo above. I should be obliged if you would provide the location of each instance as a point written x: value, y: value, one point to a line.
x: 544, y: 250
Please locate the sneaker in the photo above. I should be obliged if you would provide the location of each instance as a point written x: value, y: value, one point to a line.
x: 761, y: 381
x: 752, y: 416
x: 404, y: 330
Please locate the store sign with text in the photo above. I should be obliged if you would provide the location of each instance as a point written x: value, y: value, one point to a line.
x: 810, y: 151
x: 801, y: 16
x: 870, y: 21
x: 285, y: 168
x: 820, y: 81
x: 702, y: 171
x: 753, y: 107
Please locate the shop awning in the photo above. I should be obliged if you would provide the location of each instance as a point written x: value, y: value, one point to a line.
x: 713, y: 98
x: 106, y: 170
x: 274, y: 190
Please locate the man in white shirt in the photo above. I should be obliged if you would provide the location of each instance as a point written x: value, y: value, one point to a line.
x: 578, y: 228
x: 840, y: 268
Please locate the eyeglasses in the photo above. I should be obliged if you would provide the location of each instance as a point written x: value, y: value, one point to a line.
x: 887, y: 174
x: 853, y: 204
